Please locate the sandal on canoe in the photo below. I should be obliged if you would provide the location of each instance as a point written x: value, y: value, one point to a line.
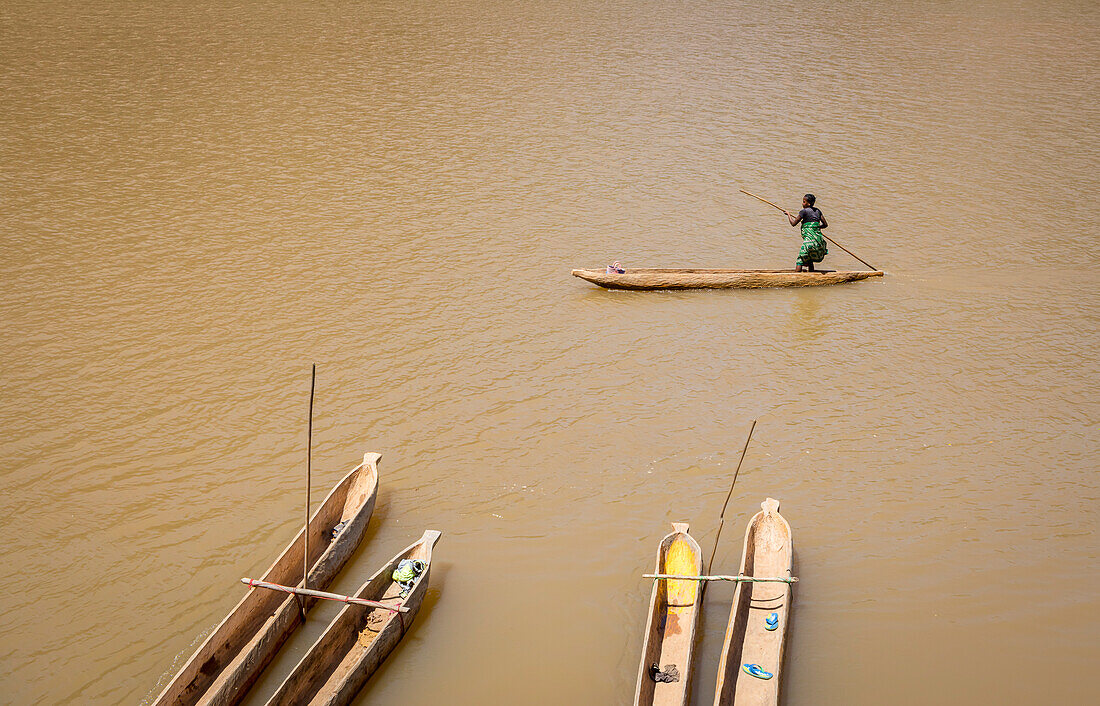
x: 771, y: 622
x: 755, y: 671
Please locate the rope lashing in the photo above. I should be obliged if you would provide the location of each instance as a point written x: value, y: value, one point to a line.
x: 402, y: 619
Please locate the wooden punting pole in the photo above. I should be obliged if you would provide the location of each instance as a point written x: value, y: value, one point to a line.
x: 309, y: 479
x: 722, y: 515
x: 748, y: 193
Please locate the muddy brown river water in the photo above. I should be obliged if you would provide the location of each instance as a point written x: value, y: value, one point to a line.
x: 199, y: 199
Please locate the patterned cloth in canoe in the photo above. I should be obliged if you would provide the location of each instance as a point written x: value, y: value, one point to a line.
x: 813, y: 244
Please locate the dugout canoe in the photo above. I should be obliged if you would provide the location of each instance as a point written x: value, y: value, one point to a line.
x: 675, y: 607
x: 657, y: 278
x: 231, y: 659
x: 360, y: 638
x: 768, y: 552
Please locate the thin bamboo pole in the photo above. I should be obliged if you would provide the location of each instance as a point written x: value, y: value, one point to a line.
x: 822, y: 235
x: 744, y: 579
x: 722, y: 515
x: 255, y: 583
x: 758, y: 198
x: 309, y: 472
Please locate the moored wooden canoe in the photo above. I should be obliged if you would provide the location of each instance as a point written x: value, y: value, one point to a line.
x: 656, y: 278
x: 230, y: 660
x: 767, y: 553
x: 675, y: 607
x: 360, y: 638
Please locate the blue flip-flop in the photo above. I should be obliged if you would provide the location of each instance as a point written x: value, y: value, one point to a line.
x: 755, y: 671
x: 771, y: 622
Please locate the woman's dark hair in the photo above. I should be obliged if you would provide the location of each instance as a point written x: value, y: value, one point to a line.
x: 810, y: 199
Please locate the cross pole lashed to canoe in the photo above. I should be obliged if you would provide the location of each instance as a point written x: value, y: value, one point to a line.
x: 254, y: 583
x: 758, y: 198
x: 738, y: 578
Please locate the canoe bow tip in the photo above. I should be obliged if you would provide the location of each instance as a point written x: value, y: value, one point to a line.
x: 770, y: 506
x: 371, y: 458
x: 680, y: 527
x: 431, y: 536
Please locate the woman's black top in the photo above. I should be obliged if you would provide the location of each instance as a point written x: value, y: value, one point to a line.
x: 810, y: 215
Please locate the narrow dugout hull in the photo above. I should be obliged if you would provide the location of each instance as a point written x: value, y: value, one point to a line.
x: 675, y: 607
x: 360, y: 638
x: 655, y: 278
x: 230, y: 660
x: 767, y: 553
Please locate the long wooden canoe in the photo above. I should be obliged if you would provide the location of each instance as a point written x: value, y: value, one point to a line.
x: 230, y: 660
x: 656, y: 278
x: 360, y: 638
x: 675, y: 607
x: 767, y: 553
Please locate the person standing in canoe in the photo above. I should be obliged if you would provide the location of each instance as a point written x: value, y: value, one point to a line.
x: 813, y: 242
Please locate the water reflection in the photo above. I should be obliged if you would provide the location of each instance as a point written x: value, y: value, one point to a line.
x: 805, y: 314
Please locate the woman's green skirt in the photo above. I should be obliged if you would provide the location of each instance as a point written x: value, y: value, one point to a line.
x: 813, y: 244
